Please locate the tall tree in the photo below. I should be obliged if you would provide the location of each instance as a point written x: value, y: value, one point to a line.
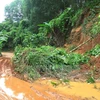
x: 39, y: 11
x: 13, y: 11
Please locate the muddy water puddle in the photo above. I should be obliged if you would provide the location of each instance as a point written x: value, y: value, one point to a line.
x: 42, y: 89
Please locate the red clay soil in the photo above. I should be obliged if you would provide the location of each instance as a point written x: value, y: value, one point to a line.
x: 94, y: 63
x: 94, y: 66
x: 77, y: 37
x: 5, y: 70
x: 5, y: 66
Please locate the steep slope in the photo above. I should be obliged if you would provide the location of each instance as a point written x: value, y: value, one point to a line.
x: 84, y: 37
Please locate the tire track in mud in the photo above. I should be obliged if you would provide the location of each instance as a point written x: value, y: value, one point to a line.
x: 5, y: 66
x: 5, y: 70
x: 48, y: 95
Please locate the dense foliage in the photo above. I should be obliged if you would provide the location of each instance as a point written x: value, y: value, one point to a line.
x: 14, y: 12
x: 46, y: 61
x: 30, y: 24
x: 58, y: 29
x: 39, y: 11
x: 95, y: 51
x: 22, y: 21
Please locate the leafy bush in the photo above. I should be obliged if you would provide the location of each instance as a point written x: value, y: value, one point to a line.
x: 34, y: 40
x: 59, y: 28
x: 19, y: 34
x: 95, y: 51
x: 95, y: 29
x: 46, y: 61
x: 58, y: 22
x: 8, y: 31
x: 3, y: 38
x: 76, y: 59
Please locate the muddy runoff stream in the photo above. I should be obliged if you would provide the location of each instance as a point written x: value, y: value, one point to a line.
x: 12, y: 88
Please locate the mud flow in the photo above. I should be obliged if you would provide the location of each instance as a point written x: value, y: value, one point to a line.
x: 12, y: 88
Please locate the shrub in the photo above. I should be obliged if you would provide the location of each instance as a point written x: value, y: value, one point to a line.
x: 95, y: 51
x: 34, y: 40
x: 91, y: 24
x: 95, y: 29
x: 3, y: 38
x: 46, y: 61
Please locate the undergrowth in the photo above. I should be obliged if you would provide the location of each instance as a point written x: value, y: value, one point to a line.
x: 3, y: 38
x: 46, y: 61
x: 58, y: 29
x: 95, y: 51
x: 91, y: 25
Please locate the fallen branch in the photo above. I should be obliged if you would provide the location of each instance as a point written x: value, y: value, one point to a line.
x: 81, y: 44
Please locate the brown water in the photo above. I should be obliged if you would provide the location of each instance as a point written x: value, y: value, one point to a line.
x: 41, y: 89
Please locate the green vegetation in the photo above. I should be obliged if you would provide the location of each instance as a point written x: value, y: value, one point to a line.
x: 19, y: 34
x: 92, y: 23
x: 95, y: 29
x: 46, y: 61
x: 3, y: 39
x: 95, y: 51
x: 59, y: 28
x: 60, y: 82
x: 37, y: 29
x: 91, y: 75
x: 90, y: 80
x: 55, y: 84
